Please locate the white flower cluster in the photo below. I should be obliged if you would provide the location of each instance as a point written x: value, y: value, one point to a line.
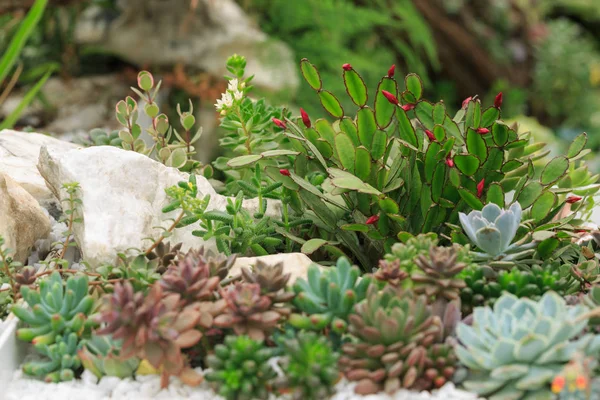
x: 233, y: 93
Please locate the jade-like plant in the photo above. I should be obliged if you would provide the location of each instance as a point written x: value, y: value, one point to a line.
x: 61, y: 359
x: 514, y: 349
x: 55, y: 309
x: 240, y: 369
x: 310, y: 366
x: 101, y: 356
x: 326, y: 298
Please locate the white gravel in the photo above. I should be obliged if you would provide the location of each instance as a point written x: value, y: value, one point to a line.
x: 148, y: 387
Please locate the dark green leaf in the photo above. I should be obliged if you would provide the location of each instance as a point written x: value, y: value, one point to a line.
x: 554, y: 170
x: 466, y: 163
x: 310, y: 73
x: 356, y: 88
x: 384, y: 110
x: 414, y: 85
x: 331, y: 104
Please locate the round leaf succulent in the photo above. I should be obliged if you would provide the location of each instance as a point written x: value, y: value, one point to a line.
x: 514, y: 349
x: 492, y: 229
x: 310, y: 366
x: 62, y: 361
x: 240, y: 369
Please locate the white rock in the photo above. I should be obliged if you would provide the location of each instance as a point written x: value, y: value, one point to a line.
x: 19, y: 153
x: 296, y: 264
x: 22, y: 220
x: 204, y: 37
x: 123, y: 193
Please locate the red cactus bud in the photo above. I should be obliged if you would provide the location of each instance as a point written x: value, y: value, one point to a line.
x: 279, y: 123
x: 498, y: 100
x: 430, y: 135
x: 480, y: 187
x: 390, y: 97
x: 391, y: 71
x: 372, y: 220
x: 347, y: 67
x: 466, y: 101
x: 305, y: 118
x: 573, y: 199
x: 284, y: 172
x: 408, y: 107
x: 449, y: 162
x: 483, y: 131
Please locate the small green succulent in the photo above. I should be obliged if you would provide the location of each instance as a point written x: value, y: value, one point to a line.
x: 310, y: 366
x: 514, y: 350
x: 328, y: 297
x: 63, y: 361
x: 54, y: 309
x: 240, y: 369
x: 100, y: 356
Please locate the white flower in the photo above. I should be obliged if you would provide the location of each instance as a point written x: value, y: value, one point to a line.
x: 226, y: 101
x: 233, y: 85
x: 238, y: 95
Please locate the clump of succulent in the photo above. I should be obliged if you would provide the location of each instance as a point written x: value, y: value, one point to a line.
x: 190, y: 279
x: 218, y: 264
x: 62, y: 361
x: 163, y: 255
x: 390, y: 273
x: 240, y: 369
x: 438, y: 274
x: 515, y: 349
x: 25, y: 277
x: 407, y: 251
x: 310, y: 366
x: 393, y: 330
x: 55, y: 309
x: 327, y: 297
x: 249, y: 312
x: 440, y: 364
x: 493, y: 229
x: 484, y: 286
x: 101, y: 356
x: 271, y: 279
x: 154, y: 328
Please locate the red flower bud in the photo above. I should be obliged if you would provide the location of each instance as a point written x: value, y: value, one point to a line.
x: 305, y: 118
x: 390, y: 97
x: 498, y: 100
x: 449, y: 162
x: 483, y: 131
x: 480, y: 187
x: 279, y: 123
x: 573, y: 199
x: 372, y: 220
x: 466, y: 101
x: 408, y: 107
x: 430, y: 135
x: 392, y: 71
x: 347, y: 67
x: 284, y: 172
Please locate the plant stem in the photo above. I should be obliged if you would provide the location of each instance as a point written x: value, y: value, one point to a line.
x: 248, y: 135
x: 162, y: 237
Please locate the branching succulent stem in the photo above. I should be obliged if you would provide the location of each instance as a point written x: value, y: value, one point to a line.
x: 169, y: 230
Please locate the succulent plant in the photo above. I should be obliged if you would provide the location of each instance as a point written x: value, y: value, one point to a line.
x: 484, y: 286
x: 271, y: 279
x: 390, y: 273
x: 249, y: 312
x: 393, y: 330
x: 440, y: 364
x: 190, y: 280
x: 438, y: 277
x: 492, y: 229
x: 406, y: 252
x: 63, y: 361
x: 328, y: 296
x: 155, y: 328
x: 54, y: 309
x: 240, y: 369
x: 515, y: 349
x: 163, y: 255
x: 101, y: 356
x: 218, y: 264
x: 25, y: 277
x: 310, y: 366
